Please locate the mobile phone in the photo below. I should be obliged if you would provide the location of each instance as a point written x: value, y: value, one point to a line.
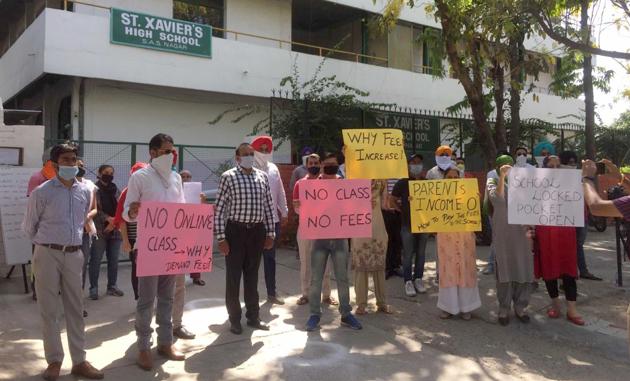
x: 601, y: 168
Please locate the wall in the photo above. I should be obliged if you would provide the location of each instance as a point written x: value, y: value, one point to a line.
x: 268, y: 18
x: 162, y: 8
x: 125, y: 112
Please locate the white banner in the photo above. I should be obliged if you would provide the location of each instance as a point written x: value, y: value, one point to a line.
x: 552, y: 197
x: 13, y: 186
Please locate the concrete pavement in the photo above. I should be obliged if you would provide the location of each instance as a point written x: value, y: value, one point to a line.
x: 413, y: 344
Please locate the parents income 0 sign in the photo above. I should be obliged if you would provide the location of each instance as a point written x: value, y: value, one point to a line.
x: 152, y: 32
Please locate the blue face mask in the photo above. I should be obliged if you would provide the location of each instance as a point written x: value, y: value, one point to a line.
x: 68, y: 173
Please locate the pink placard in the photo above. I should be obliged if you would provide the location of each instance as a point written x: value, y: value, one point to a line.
x: 174, y: 238
x: 335, y: 209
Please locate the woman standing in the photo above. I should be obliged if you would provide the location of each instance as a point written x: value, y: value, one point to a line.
x: 368, y: 255
x: 457, y: 268
x: 555, y: 248
x: 513, y: 251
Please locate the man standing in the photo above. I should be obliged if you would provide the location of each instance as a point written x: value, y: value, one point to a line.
x: 244, y: 226
x: 157, y: 182
x: 414, y: 244
x: 56, y: 215
x: 180, y: 289
x: 301, y: 170
x: 443, y: 162
x: 337, y: 250
x: 263, y: 147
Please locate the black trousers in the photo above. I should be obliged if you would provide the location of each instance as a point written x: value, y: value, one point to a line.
x: 133, y: 256
x: 394, y: 241
x: 246, y: 246
x: 570, y: 288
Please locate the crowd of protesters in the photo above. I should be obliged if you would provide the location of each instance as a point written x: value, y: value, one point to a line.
x: 73, y: 223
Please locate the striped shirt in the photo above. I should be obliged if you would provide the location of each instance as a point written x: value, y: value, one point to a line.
x: 623, y: 205
x: 244, y: 198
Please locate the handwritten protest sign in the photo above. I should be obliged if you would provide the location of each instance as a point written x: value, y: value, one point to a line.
x: 174, y: 238
x: 16, y: 245
x: 545, y: 196
x: 335, y: 209
x: 439, y: 206
x: 374, y: 154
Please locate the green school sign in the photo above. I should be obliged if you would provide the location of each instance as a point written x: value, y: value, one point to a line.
x: 152, y: 32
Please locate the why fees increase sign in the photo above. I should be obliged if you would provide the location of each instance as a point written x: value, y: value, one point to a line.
x: 152, y: 32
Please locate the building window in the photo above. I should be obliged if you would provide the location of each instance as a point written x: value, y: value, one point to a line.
x: 209, y: 12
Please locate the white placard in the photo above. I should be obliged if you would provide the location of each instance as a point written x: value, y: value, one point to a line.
x: 13, y: 200
x: 552, y: 197
x: 191, y: 192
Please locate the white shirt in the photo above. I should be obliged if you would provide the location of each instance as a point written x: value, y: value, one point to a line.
x: 277, y: 192
x: 147, y: 184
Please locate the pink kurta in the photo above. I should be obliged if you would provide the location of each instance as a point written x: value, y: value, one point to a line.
x: 457, y: 259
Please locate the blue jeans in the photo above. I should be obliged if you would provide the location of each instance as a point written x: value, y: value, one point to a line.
x: 414, y: 250
x: 111, y: 246
x: 581, y: 238
x: 269, y: 261
x: 86, y: 247
x: 337, y: 250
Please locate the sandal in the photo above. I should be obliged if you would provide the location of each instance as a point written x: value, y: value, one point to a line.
x: 445, y: 315
x: 360, y: 310
x: 386, y: 309
x: 577, y: 320
x: 553, y: 313
x: 199, y: 282
x: 466, y: 316
x: 331, y: 301
x: 303, y: 300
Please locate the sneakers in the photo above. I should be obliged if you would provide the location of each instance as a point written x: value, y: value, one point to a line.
x: 114, y: 291
x: 93, y: 293
x: 313, y: 323
x: 419, y: 285
x: 409, y: 289
x: 350, y: 321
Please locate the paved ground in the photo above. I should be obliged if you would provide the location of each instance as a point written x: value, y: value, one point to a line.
x: 413, y: 344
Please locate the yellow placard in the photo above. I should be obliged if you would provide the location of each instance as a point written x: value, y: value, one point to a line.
x: 375, y: 154
x: 440, y: 206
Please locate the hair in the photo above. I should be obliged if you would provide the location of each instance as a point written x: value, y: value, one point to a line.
x: 521, y: 148
x: 238, y: 148
x: 185, y: 171
x: 565, y: 156
x: 330, y: 155
x: 62, y: 148
x: 414, y: 156
x: 159, y: 139
x: 461, y: 158
x: 104, y: 167
x: 452, y: 169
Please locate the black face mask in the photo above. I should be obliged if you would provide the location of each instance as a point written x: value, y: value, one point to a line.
x: 81, y: 172
x: 313, y: 170
x: 107, y: 178
x: 331, y: 169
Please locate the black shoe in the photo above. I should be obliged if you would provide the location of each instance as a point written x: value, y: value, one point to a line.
x: 589, y: 276
x: 504, y: 320
x: 257, y: 324
x: 183, y: 333
x: 524, y: 318
x: 85, y: 314
x: 236, y: 328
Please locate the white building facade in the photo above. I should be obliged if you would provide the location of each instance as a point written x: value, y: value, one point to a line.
x: 58, y: 57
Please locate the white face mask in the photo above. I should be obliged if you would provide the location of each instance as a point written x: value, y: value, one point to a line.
x: 247, y: 162
x: 262, y: 159
x: 415, y: 169
x: 521, y: 161
x: 443, y: 162
x: 163, y: 164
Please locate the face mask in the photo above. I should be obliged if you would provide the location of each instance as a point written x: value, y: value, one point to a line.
x: 163, y: 164
x: 331, y: 169
x: 81, y: 172
x: 261, y: 159
x: 247, y: 162
x: 521, y: 161
x: 313, y: 170
x: 304, y: 160
x: 68, y: 173
x: 107, y: 178
x: 443, y: 162
x: 461, y: 167
x: 415, y: 169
